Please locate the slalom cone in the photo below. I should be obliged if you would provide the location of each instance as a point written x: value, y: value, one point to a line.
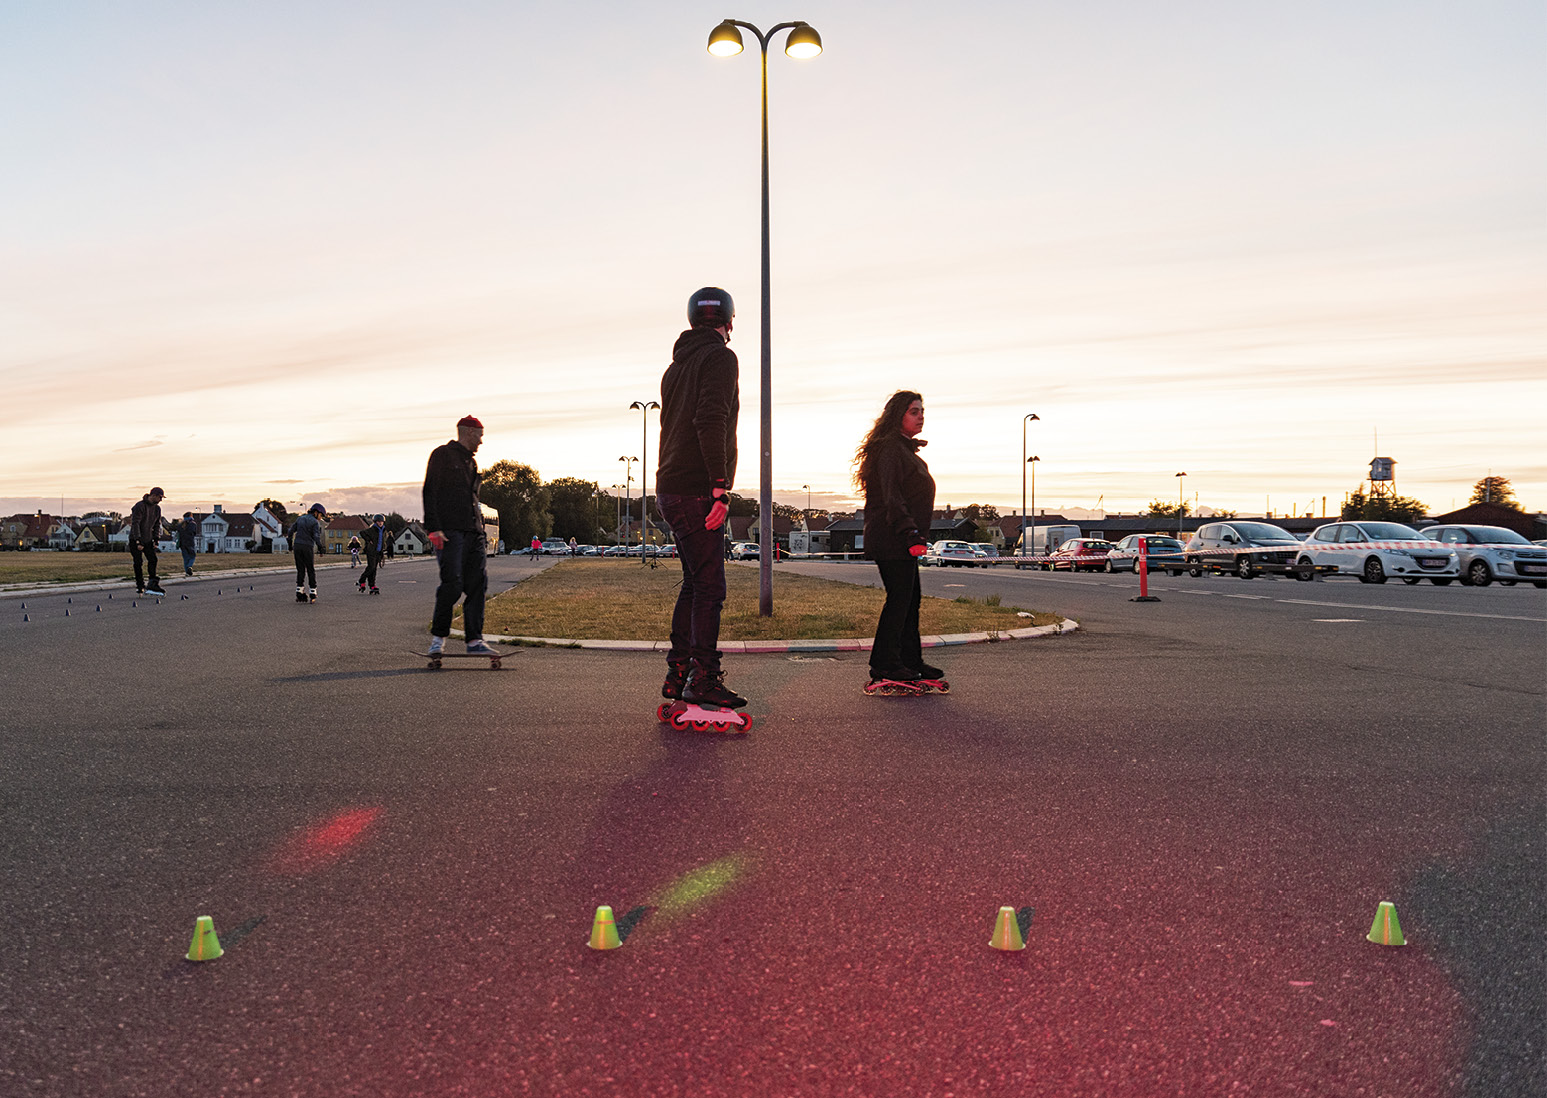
x: 205, y: 945
x: 1007, y: 931
x: 604, y: 932
x: 1386, y: 930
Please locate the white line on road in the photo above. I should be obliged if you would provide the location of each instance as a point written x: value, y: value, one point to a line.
x: 1248, y: 596
x: 1410, y: 610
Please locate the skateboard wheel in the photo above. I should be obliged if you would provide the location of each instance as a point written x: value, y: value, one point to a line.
x: 494, y: 664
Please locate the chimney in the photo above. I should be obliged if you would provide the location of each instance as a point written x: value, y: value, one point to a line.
x: 217, y: 508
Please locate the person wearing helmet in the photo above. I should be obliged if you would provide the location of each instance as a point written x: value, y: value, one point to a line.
x: 700, y: 402
x: 454, y: 523
x: 306, y: 540
x: 376, y: 542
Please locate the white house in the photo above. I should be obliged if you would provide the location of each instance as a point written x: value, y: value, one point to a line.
x: 223, y: 531
x: 411, y: 542
x: 267, y: 527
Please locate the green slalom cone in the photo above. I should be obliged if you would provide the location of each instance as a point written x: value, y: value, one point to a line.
x: 1386, y: 930
x: 1007, y: 931
x: 205, y: 945
x: 604, y: 931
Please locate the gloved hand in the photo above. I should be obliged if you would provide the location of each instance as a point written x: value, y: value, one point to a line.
x: 437, y: 539
x: 918, y: 550
x: 717, y: 513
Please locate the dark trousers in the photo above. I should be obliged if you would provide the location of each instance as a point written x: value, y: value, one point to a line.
x: 463, y: 570
x: 144, y: 560
x: 372, y: 561
x: 897, y: 634
x: 305, y: 566
x: 695, y: 622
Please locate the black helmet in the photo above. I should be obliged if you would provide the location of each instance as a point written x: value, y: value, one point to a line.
x: 710, y: 307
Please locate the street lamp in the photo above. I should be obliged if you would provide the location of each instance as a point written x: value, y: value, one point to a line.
x: 644, y: 450
x: 1181, y: 502
x: 1031, y: 461
x: 628, y: 491
x: 1030, y: 416
x: 802, y: 43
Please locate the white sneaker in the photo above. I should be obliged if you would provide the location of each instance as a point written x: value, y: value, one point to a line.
x: 437, y: 645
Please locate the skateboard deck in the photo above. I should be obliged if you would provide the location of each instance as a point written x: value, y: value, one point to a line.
x: 435, y: 658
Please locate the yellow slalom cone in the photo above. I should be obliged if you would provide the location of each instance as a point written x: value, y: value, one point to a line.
x: 1386, y: 930
x: 1007, y: 931
x: 205, y: 945
x: 604, y: 932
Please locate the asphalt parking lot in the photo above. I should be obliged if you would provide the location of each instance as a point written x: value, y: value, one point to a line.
x: 1203, y: 800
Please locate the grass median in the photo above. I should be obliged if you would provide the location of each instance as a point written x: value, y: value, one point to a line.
x: 623, y: 600
x: 66, y: 567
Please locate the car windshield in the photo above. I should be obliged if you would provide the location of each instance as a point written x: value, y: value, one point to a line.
x: 1163, y: 543
x: 1390, y: 531
x: 1262, y: 531
x: 1496, y: 535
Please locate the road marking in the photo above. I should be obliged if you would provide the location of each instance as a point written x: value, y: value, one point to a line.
x: 1335, y: 621
x: 1410, y: 610
x: 1248, y: 596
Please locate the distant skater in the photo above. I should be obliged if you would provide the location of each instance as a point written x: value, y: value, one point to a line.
x: 453, y: 522
x: 188, y: 541
x: 377, y: 541
x: 144, y: 533
x: 354, y: 551
x: 700, y: 403
x: 899, y: 503
x: 307, y: 541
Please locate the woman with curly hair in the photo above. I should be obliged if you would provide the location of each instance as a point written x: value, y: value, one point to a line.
x: 899, y: 502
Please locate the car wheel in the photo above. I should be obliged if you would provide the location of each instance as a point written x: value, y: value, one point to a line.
x: 1304, y: 569
x: 1441, y: 581
x: 1195, y: 568
x: 1110, y: 569
x: 1478, y: 573
x: 1244, y: 569
x: 1410, y: 580
x: 1373, y: 572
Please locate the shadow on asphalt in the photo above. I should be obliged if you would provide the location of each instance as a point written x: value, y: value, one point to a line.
x: 1489, y: 919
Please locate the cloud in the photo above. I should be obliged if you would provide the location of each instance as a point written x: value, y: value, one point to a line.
x: 139, y: 446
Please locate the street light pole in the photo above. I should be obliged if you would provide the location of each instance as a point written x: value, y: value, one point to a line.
x: 628, y: 490
x: 1181, y: 502
x: 803, y: 42
x: 1031, y: 461
x: 644, y: 464
x: 1029, y: 417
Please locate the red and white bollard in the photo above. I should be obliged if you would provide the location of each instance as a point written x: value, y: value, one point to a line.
x: 1143, y: 568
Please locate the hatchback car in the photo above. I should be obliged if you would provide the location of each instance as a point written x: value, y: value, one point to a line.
x: 1080, y: 555
x: 1489, y: 553
x: 1375, y: 551
x: 1159, y: 552
x: 1247, y: 549
x: 953, y: 553
x: 986, y: 549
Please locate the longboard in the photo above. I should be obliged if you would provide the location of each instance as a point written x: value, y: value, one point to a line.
x: 435, y: 658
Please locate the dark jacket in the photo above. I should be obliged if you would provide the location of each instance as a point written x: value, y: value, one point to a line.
x: 145, y: 521
x: 368, y: 539
x: 451, y: 490
x: 700, y: 401
x: 899, y: 500
x: 188, y: 535
x: 307, y: 533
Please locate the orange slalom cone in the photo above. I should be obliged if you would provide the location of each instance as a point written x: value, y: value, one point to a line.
x: 1386, y: 930
x: 1007, y: 931
x: 205, y: 945
x: 604, y: 932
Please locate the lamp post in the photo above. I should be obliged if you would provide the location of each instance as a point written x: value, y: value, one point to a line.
x: 802, y: 42
x: 617, y: 499
x: 1031, y: 461
x: 1181, y: 502
x: 644, y: 450
x: 628, y: 491
x: 1029, y: 417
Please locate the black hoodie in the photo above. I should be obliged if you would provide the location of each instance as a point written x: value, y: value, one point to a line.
x: 700, y: 400
x: 899, y: 500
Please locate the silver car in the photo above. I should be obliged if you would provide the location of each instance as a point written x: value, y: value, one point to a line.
x: 1489, y: 553
x: 1376, y: 551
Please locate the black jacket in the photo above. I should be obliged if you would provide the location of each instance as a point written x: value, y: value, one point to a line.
x: 145, y: 521
x: 899, y: 500
x: 188, y: 534
x: 451, y: 490
x: 368, y: 539
x: 700, y: 401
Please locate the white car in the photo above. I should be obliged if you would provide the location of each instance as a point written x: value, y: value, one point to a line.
x: 1489, y: 553
x: 1376, y: 551
x: 953, y: 553
x: 986, y: 549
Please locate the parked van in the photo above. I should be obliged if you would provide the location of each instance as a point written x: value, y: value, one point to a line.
x: 1044, y: 539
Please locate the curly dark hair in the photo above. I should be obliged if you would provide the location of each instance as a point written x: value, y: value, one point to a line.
x: 888, y: 424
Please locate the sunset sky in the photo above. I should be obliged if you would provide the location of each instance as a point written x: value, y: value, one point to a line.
x: 277, y: 249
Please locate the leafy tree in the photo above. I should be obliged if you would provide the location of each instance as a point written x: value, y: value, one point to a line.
x: 396, y: 524
x: 517, y: 493
x: 1383, y: 508
x: 1161, y: 509
x: 572, y: 504
x: 981, y: 513
x: 276, y: 509
x: 794, y: 514
x: 1493, y: 489
x: 741, y: 505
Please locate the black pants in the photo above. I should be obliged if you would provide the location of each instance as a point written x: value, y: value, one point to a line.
x: 897, y: 642
x: 372, y: 561
x: 463, y: 570
x: 148, y: 553
x: 695, y: 621
x: 305, y: 567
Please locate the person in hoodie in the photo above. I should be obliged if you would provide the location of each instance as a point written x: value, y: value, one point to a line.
x: 144, y: 533
x: 377, y: 540
x: 700, y: 402
x: 307, y: 539
x: 899, y: 503
x: 453, y: 521
x: 188, y: 541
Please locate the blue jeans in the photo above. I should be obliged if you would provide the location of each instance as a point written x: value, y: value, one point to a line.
x: 695, y: 622
x: 463, y: 570
x: 188, y: 561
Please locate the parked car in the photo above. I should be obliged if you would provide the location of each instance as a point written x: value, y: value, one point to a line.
x: 1080, y: 555
x: 1160, y: 551
x: 615, y: 551
x: 1375, y: 551
x: 985, y: 548
x: 745, y: 550
x: 1246, y: 548
x: 1488, y: 553
x: 953, y: 553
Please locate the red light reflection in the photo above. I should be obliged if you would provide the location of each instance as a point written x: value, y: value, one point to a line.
x: 322, y: 844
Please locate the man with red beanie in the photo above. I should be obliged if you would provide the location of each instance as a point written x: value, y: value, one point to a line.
x: 454, y: 523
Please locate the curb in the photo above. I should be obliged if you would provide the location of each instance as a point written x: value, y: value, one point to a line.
x: 18, y: 591
x: 786, y: 646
